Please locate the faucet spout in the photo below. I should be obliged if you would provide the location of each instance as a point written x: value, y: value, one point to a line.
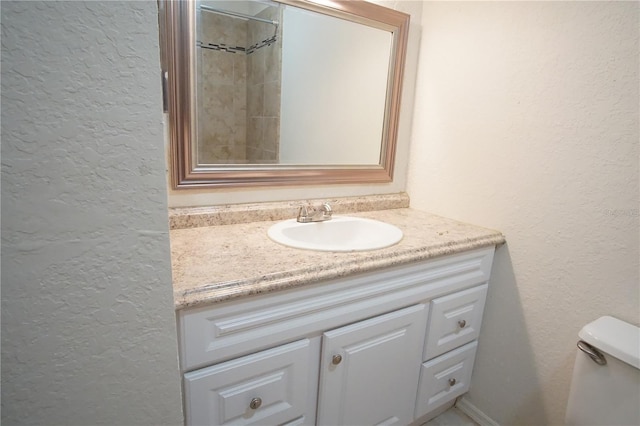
x: 308, y: 214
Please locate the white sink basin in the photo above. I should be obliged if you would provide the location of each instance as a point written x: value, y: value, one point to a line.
x: 341, y: 233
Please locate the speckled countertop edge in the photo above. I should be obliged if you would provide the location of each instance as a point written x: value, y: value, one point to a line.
x: 220, y: 263
x: 219, y: 292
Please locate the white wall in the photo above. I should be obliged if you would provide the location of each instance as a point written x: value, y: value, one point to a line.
x: 333, y: 93
x: 205, y: 197
x: 88, y: 327
x: 526, y: 121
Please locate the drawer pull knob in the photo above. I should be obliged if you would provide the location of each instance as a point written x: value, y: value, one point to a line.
x: 462, y: 323
x: 255, y: 403
x: 337, y: 359
x: 452, y: 382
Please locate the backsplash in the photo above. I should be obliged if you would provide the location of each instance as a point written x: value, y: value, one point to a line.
x: 194, y: 217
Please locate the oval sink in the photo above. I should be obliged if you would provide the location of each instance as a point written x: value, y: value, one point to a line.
x: 341, y: 233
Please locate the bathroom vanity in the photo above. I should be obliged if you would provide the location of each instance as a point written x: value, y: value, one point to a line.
x: 275, y: 335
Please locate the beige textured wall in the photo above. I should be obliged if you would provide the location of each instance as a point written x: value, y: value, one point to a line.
x: 526, y: 121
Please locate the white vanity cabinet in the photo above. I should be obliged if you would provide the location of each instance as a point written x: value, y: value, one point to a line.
x: 382, y: 347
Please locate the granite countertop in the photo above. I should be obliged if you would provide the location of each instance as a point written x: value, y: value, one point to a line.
x: 219, y: 263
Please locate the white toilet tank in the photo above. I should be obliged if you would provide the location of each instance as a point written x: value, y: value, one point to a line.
x: 606, y: 394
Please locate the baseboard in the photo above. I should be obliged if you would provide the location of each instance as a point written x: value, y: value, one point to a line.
x: 474, y: 412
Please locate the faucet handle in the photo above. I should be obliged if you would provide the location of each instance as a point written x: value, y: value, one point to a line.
x: 326, y: 211
x: 303, y: 214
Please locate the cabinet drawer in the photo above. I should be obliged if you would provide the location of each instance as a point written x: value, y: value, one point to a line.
x: 454, y: 320
x: 226, y: 330
x: 445, y: 378
x: 265, y: 388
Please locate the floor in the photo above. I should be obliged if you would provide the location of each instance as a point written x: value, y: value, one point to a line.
x: 451, y: 417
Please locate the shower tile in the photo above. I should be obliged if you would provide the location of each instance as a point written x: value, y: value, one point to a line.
x: 217, y: 66
x: 255, y: 132
x: 272, y: 99
x: 218, y: 29
x: 255, y: 100
x: 252, y: 156
x: 240, y: 69
x: 256, y: 66
x: 219, y: 99
x: 271, y: 134
x: 273, y: 62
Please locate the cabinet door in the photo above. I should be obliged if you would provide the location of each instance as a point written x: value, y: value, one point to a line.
x: 266, y: 388
x: 370, y: 370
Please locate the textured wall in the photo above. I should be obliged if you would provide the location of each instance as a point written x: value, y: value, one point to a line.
x: 88, y: 329
x: 526, y: 121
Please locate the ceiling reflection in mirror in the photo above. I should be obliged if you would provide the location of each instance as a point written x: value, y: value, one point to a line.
x: 282, y: 85
x: 286, y: 92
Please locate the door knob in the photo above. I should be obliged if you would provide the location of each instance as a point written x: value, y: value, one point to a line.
x: 452, y: 382
x: 255, y: 403
x: 462, y: 323
x: 337, y: 359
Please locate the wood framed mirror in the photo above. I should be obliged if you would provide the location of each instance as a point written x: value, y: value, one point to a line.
x: 285, y: 92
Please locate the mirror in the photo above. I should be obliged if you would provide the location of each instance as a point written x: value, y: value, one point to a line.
x: 282, y: 92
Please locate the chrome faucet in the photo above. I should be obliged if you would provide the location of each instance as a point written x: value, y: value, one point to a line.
x: 308, y: 213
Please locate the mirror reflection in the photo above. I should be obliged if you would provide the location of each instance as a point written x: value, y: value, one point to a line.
x: 284, y: 92
x: 238, y: 82
x: 277, y: 84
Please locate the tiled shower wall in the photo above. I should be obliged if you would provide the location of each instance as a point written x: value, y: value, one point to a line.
x: 239, y: 93
x: 222, y: 88
x: 263, y: 90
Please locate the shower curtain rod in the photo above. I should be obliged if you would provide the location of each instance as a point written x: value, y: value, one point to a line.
x: 236, y: 14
